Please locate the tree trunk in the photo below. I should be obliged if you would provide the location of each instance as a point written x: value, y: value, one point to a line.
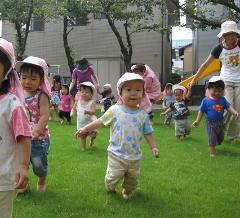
x: 66, y: 45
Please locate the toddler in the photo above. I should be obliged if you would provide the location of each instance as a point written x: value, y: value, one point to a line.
x: 108, y: 98
x: 213, y: 106
x: 55, y: 97
x: 86, y: 110
x: 34, y: 78
x: 15, y: 135
x: 66, y: 103
x: 168, y: 99
x: 128, y: 123
x: 180, y: 111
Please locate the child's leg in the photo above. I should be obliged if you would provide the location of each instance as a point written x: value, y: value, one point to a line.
x: 68, y: 117
x: 131, y: 178
x: 168, y: 118
x: 93, y: 135
x: 6, y: 202
x: 212, y: 150
x: 115, y: 172
x: 83, y: 141
x: 39, y: 160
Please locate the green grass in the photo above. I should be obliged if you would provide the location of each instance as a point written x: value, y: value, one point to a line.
x: 184, y: 182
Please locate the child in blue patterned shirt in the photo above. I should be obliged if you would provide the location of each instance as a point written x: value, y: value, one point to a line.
x: 128, y: 123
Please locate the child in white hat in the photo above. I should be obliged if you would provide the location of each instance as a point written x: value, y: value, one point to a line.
x: 15, y: 134
x: 34, y: 79
x: 180, y: 111
x: 128, y: 123
x: 228, y: 52
x: 86, y: 110
x: 213, y: 106
x: 108, y: 98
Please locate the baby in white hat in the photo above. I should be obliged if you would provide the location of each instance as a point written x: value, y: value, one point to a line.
x: 213, y: 106
x: 128, y: 123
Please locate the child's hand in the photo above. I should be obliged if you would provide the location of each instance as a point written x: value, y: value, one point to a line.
x: 237, y: 115
x: 195, y: 124
x: 35, y: 134
x: 80, y: 132
x: 155, y: 152
x: 162, y: 114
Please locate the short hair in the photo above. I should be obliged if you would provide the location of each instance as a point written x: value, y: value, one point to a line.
x: 139, y: 68
x: 32, y: 68
x: 217, y: 84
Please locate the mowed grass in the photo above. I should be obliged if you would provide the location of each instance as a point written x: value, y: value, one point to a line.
x: 184, y: 182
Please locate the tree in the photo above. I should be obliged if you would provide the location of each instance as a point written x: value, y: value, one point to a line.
x: 21, y: 12
x: 206, y: 16
x: 134, y: 15
x: 75, y: 13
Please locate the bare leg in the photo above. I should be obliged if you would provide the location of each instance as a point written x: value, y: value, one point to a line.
x: 41, y: 186
x: 92, y: 141
x: 83, y: 141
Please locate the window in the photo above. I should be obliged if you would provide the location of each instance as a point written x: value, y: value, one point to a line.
x: 100, y: 16
x: 37, y: 24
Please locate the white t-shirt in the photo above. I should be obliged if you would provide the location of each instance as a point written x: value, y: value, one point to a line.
x: 14, y: 123
x: 230, y: 59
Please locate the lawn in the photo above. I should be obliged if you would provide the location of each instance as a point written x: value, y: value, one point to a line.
x: 184, y: 182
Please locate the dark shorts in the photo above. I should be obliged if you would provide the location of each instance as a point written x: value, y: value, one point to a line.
x: 39, y: 157
x: 65, y: 114
x: 215, y: 131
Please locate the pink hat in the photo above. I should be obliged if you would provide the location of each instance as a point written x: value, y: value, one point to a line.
x: 125, y: 78
x: 178, y: 87
x: 16, y: 88
x: 41, y: 63
x: 215, y: 79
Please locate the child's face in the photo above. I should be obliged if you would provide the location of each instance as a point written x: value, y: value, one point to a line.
x: 216, y: 92
x: 57, y: 86
x: 64, y: 90
x: 132, y: 93
x: 85, y: 93
x: 30, y: 81
x: 168, y: 90
x: 178, y: 95
x: 1, y: 73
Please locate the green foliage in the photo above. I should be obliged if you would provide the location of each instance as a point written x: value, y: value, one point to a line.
x: 183, y: 183
x: 174, y: 78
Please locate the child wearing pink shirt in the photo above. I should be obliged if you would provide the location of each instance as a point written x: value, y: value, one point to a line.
x: 15, y: 135
x: 66, y: 104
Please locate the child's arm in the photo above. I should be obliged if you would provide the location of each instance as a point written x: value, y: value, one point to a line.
x: 73, y: 110
x: 44, y: 116
x: 166, y: 111
x: 152, y: 144
x: 198, y: 120
x: 22, y: 169
x: 88, y: 128
x: 233, y: 111
x: 189, y: 92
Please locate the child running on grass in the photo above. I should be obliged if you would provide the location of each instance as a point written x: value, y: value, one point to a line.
x: 66, y: 103
x: 128, y: 123
x: 34, y: 78
x: 15, y: 135
x: 180, y: 111
x: 86, y: 110
x: 214, y: 106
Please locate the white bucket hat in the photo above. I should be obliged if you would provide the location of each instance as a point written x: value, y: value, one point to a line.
x: 214, y: 79
x: 228, y: 27
x: 41, y: 63
x: 125, y: 78
x: 107, y: 86
x: 178, y: 87
x: 89, y: 84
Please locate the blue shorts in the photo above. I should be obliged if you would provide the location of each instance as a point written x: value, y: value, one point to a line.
x: 39, y: 157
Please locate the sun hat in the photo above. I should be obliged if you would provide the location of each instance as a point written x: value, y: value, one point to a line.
x: 45, y: 86
x: 178, y: 87
x: 15, y: 87
x: 126, y: 77
x: 215, y: 79
x: 88, y: 84
x: 107, y: 85
x: 228, y: 27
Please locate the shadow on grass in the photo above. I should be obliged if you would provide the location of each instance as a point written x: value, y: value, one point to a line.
x: 228, y: 152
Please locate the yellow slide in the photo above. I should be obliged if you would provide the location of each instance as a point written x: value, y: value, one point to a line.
x: 214, y: 67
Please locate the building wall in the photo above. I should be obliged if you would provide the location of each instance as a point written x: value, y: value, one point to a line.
x: 187, y: 61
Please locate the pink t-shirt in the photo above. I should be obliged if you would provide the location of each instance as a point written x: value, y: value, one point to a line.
x: 152, y: 84
x: 65, y: 103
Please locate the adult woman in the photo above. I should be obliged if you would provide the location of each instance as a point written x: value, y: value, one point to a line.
x: 228, y: 52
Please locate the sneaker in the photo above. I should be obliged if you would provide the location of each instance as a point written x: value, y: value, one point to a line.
x: 125, y: 195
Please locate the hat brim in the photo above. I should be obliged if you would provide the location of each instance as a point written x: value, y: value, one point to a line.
x: 219, y: 35
x: 19, y: 64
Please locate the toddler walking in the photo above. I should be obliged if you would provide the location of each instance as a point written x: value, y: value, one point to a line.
x: 128, y: 123
x: 34, y: 78
x: 86, y: 110
x: 66, y: 103
x: 108, y: 98
x: 168, y: 99
x: 55, y: 97
x: 15, y: 135
x: 213, y: 106
x: 180, y: 111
